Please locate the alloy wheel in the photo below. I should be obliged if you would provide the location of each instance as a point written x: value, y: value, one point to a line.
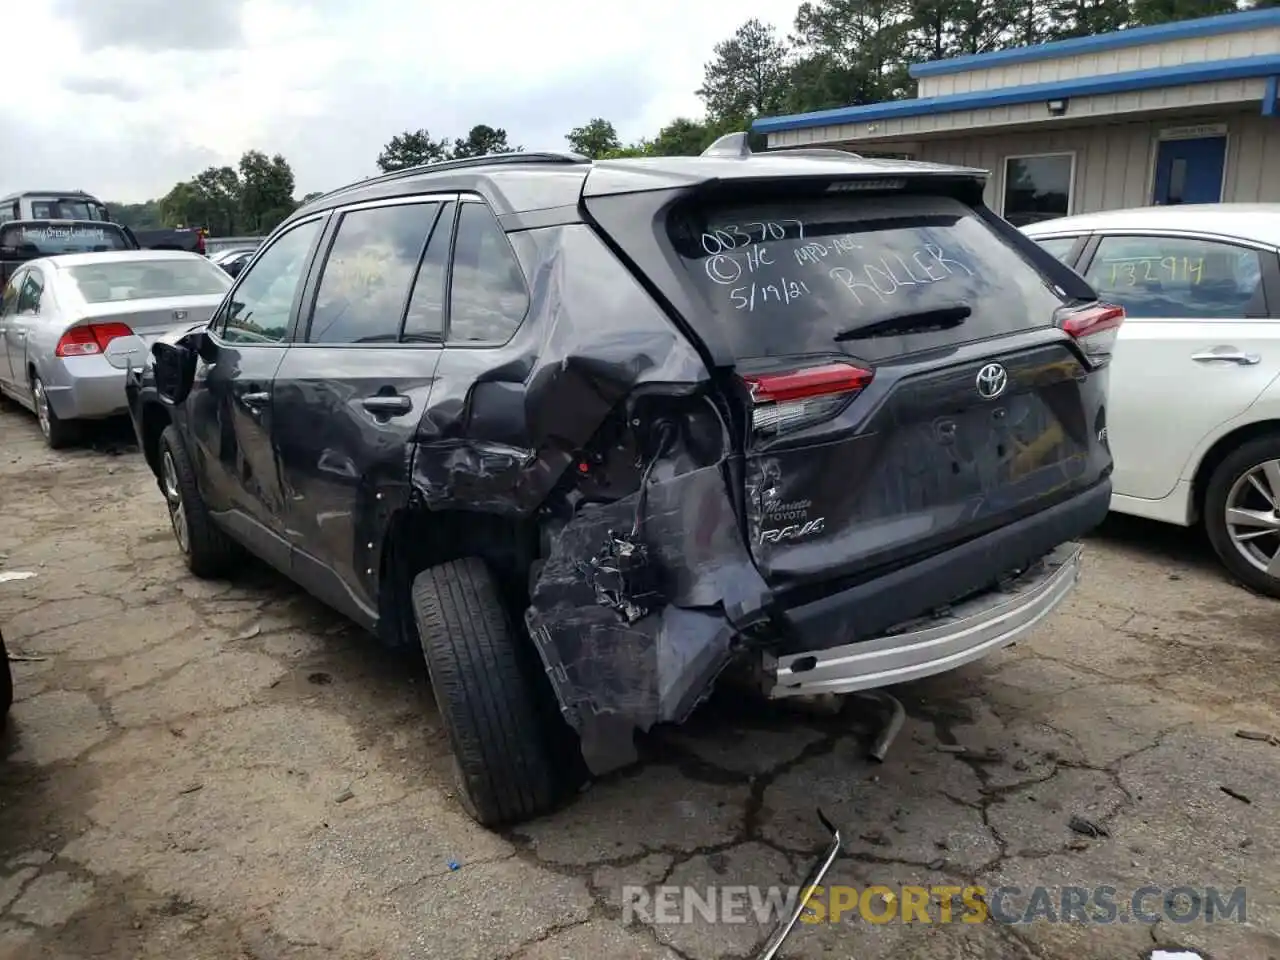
x: 173, y: 496
x: 1253, y: 516
x: 42, y: 407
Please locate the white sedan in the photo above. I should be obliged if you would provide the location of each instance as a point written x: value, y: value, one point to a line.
x: 72, y: 324
x: 1194, y: 413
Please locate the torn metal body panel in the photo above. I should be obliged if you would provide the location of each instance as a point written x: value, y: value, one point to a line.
x: 504, y: 423
x: 510, y: 426
x: 613, y: 674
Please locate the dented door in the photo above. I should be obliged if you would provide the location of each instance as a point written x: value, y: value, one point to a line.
x: 353, y: 387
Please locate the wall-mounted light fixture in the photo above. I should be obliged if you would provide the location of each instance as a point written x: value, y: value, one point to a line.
x: 1056, y: 107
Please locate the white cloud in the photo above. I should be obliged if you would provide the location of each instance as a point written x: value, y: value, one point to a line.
x: 125, y: 97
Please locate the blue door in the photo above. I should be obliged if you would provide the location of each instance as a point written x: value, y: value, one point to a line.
x: 1190, y: 171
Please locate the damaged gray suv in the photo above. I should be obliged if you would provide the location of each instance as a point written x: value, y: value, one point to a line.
x: 593, y: 433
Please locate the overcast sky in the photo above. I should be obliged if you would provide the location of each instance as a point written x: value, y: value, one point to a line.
x: 123, y: 98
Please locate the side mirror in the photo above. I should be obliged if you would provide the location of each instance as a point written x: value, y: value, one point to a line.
x: 204, y: 347
x: 175, y: 365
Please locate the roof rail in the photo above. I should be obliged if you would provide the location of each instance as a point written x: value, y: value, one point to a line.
x: 738, y: 146
x: 489, y: 159
x: 828, y: 152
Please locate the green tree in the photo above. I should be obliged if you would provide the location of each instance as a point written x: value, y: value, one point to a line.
x: 1165, y: 11
x: 412, y: 148
x: 747, y: 74
x: 1030, y: 23
x: 851, y: 51
x: 212, y: 200
x: 178, y: 207
x: 482, y: 141
x: 982, y: 26
x: 1086, y: 18
x: 266, y: 191
x: 682, y: 137
x: 641, y: 148
x: 596, y: 139
x: 137, y: 216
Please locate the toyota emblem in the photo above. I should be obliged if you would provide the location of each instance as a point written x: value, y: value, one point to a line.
x: 992, y: 379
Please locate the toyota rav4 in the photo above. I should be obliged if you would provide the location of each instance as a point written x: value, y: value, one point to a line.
x: 591, y: 433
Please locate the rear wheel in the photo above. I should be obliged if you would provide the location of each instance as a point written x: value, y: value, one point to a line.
x: 57, y: 433
x: 6, y: 685
x: 486, y: 697
x: 1242, y: 513
x: 208, y: 551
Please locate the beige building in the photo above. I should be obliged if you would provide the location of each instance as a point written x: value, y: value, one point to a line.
x: 1178, y: 113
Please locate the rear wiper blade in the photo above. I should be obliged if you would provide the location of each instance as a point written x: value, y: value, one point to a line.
x: 919, y: 321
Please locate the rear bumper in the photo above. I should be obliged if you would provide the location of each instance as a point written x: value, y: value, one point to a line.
x: 866, y: 610
x: 86, y: 388
x: 972, y: 629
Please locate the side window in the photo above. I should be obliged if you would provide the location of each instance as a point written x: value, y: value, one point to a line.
x: 9, y: 300
x: 487, y: 296
x: 424, y: 321
x: 1174, y: 277
x: 31, y: 294
x: 259, y: 307
x: 368, y: 272
x: 1060, y: 247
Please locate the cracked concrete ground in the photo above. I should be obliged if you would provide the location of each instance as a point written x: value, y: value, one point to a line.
x: 231, y: 770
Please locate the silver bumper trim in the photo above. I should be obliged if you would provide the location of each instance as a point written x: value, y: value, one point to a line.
x: 971, y: 630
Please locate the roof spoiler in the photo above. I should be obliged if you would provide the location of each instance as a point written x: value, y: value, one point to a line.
x: 737, y: 146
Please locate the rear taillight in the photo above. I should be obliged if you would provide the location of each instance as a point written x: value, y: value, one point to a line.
x: 90, y: 339
x: 1095, y: 328
x: 782, y: 402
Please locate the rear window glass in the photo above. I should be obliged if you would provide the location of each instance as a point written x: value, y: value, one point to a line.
x: 787, y: 278
x: 55, y: 209
x: 49, y: 239
x: 148, y: 280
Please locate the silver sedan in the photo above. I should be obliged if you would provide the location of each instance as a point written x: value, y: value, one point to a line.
x: 72, y: 325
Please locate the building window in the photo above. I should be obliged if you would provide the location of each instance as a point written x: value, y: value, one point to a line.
x: 1038, y: 188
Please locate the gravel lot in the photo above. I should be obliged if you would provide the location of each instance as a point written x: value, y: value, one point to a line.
x: 231, y: 770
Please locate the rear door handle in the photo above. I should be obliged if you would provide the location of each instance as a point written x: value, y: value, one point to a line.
x: 1234, y: 356
x: 388, y: 406
x: 254, y: 399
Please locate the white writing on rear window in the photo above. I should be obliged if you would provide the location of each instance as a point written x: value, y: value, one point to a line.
x: 63, y: 233
x: 732, y: 236
x: 782, y: 290
x: 884, y: 276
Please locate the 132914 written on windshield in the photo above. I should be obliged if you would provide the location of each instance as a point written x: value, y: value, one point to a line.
x: 743, y: 259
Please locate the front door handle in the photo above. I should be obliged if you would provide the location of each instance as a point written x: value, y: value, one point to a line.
x: 388, y: 405
x: 254, y: 399
x: 1234, y: 356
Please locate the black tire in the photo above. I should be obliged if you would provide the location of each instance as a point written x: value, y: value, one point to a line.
x: 1228, y: 474
x: 487, y: 702
x: 6, y: 685
x: 58, y: 434
x: 209, y: 552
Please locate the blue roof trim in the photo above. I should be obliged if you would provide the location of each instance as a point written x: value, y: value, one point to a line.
x: 1132, y: 37
x: 1271, y: 99
x: 1239, y: 69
